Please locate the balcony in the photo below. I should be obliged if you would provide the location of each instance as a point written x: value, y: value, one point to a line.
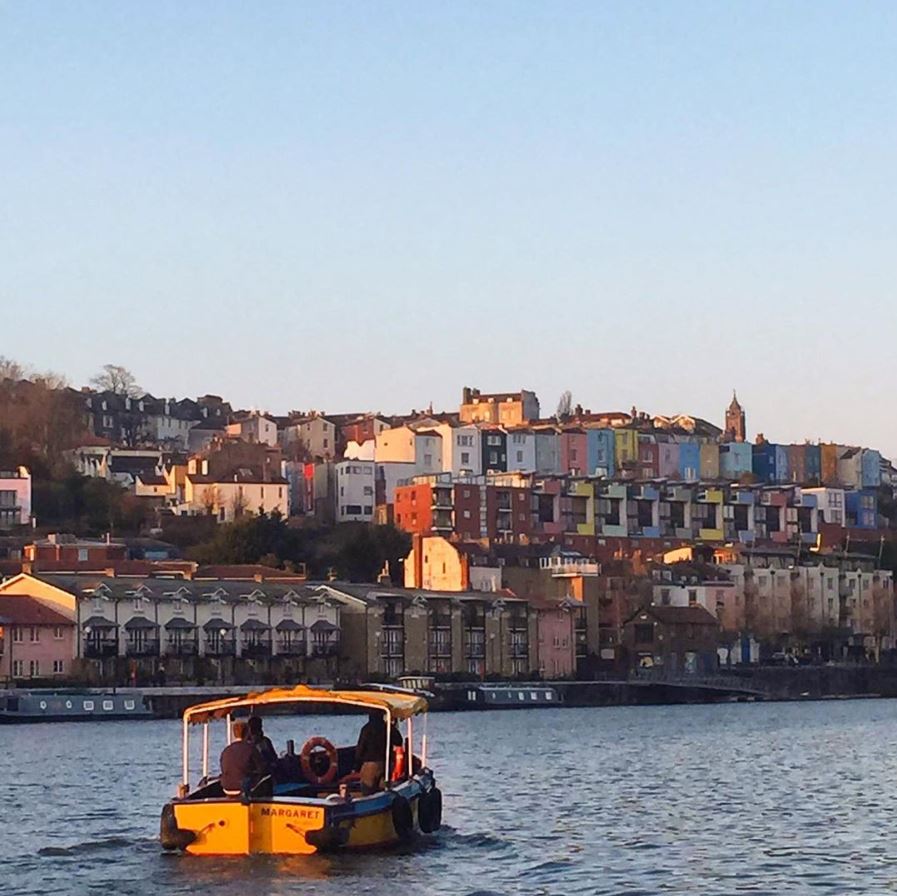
x: 182, y: 648
x: 220, y: 647
x: 137, y: 649
x: 442, y: 499
x: 100, y: 648
x: 291, y: 648
x: 255, y: 650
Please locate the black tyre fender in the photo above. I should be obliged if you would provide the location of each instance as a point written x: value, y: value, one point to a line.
x: 170, y: 834
x: 429, y: 811
x: 402, y: 817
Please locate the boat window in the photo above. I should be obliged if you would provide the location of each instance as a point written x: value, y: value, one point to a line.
x: 88, y: 705
x: 43, y: 704
x: 129, y: 704
x: 521, y: 695
x: 533, y: 695
x: 549, y: 695
x: 108, y: 705
x: 68, y: 704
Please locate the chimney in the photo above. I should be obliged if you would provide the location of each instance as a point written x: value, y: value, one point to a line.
x: 384, y: 577
x: 465, y: 395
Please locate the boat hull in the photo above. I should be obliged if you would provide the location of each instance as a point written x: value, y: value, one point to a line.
x: 293, y: 826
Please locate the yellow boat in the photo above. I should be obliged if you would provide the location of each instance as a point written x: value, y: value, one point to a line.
x: 301, y: 808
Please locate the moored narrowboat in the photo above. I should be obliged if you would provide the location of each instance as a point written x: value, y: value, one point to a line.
x: 71, y: 706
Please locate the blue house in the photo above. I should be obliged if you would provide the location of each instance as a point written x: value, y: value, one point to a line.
x: 735, y: 459
x: 689, y: 460
x: 601, y: 450
x: 870, y: 468
x: 861, y: 506
x: 783, y: 466
x: 813, y: 463
x: 764, y: 462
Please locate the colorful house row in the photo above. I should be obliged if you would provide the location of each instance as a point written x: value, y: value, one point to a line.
x: 521, y: 508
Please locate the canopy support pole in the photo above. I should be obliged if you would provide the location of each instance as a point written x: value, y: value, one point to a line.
x: 205, y: 750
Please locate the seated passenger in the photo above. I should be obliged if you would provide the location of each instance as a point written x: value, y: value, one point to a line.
x: 241, y: 764
x: 370, y: 752
x: 263, y: 744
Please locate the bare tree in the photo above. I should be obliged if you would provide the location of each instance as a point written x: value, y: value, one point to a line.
x: 11, y: 370
x: 238, y: 504
x: 117, y: 379
x: 565, y: 405
x: 210, y: 498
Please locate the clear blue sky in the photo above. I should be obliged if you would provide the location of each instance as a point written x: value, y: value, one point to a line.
x: 369, y: 205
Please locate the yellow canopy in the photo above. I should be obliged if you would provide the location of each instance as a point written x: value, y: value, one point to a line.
x: 400, y: 705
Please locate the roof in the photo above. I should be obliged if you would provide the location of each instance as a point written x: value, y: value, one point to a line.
x: 322, y: 625
x: 289, y: 625
x: 139, y: 622
x: 151, y: 478
x: 98, y: 622
x: 179, y: 622
x: 255, y: 625
x: 679, y: 615
x: 401, y: 705
x: 218, y: 623
x: 22, y: 609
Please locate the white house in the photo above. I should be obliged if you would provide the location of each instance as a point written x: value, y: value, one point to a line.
x: 521, y: 450
x: 354, y: 498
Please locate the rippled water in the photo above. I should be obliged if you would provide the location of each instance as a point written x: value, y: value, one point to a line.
x: 754, y: 798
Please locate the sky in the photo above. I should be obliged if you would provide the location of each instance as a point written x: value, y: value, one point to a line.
x: 368, y: 206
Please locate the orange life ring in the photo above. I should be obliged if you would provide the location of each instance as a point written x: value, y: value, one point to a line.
x: 312, y: 744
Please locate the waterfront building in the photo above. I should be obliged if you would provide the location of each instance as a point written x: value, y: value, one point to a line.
x: 673, y: 640
x: 36, y: 641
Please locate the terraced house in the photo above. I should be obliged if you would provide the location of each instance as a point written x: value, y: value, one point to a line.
x: 195, y: 629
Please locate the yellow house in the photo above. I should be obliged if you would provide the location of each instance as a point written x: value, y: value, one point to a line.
x: 625, y: 446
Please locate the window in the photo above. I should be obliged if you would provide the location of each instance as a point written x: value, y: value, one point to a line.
x: 58, y: 667
x: 83, y: 555
x: 108, y: 705
x: 35, y: 634
x: 428, y: 460
x: 58, y: 633
x: 34, y: 668
x: 368, y: 508
x: 368, y: 490
x: 519, y: 457
x: 18, y: 668
x: 467, y: 493
x: 17, y: 634
x: 467, y: 514
x: 465, y: 457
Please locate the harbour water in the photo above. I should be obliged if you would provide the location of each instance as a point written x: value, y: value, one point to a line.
x: 738, y: 798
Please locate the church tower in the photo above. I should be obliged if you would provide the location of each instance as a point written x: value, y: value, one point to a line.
x: 735, y: 421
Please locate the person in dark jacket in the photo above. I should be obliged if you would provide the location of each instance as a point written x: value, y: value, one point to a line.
x: 262, y: 743
x: 370, y: 752
x: 241, y: 763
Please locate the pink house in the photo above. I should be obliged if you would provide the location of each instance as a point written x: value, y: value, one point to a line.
x: 574, y: 451
x: 15, y: 497
x: 35, y: 640
x: 557, y: 639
